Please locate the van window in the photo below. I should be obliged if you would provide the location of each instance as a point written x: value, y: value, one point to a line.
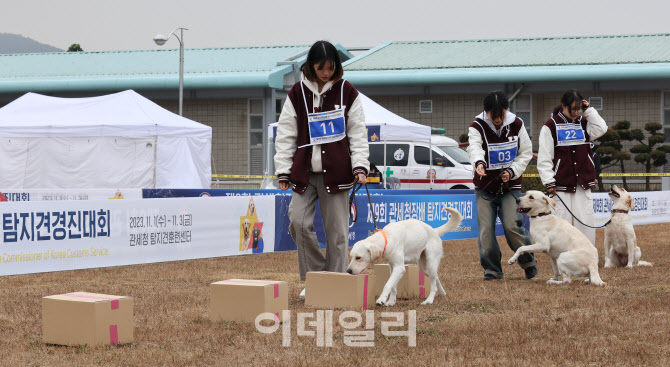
x: 457, y: 154
x: 421, y: 156
x: 396, y: 154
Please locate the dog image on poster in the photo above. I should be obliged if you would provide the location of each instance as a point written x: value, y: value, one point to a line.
x: 246, y: 231
x: 251, y: 209
x: 257, y: 238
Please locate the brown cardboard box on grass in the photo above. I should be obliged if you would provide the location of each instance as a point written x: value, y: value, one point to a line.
x: 330, y: 290
x: 245, y: 299
x: 413, y: 284
x: 93, y: 319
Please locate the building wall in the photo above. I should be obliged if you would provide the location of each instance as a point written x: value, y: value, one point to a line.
x: 230, y: 135
x: 455, y: 112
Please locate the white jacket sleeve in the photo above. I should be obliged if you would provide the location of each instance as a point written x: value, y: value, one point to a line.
x: 596, y: 125
x: 475, y: 150
x: 524, y: 154
x: 286, y: 139
x: 545, y: 158
x: 358, y: 138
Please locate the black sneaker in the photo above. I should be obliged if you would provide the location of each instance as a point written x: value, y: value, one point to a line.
x: 489, y: 276
x: 531, y: 272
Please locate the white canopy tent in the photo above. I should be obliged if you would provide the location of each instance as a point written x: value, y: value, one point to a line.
x: 391, y: 128
x: 116, y: 140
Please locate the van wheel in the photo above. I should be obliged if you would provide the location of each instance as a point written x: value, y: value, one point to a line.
x: 459, y: 187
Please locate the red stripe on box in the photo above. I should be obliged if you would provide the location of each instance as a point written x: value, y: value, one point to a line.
x: 422, y: 292
x: 115, y: 304
x: 113, y: 335
x: 276, y: 290
x: 421, y: 277
x: 422, y: 280
x: 365, y: 292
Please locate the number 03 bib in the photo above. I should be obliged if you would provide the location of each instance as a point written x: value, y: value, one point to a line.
x: 325, y: 127
x: 501, y: 155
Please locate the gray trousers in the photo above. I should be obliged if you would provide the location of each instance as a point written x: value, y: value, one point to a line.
x: 335, y: 214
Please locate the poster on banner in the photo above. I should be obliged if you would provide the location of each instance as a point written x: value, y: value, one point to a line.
x: 65, y: 235
x: 650, y: 207
x: 70, y: 194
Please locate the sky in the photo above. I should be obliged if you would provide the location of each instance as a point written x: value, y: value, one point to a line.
x: 132, y: 24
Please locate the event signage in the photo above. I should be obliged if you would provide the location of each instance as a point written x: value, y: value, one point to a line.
x: 650, y: 207
x: 70, y: 194
x: 64, y: 235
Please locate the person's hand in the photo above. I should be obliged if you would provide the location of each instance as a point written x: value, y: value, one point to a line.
x: 585, y: 104
x: 551, y: 192
x: 284, y: 185
x: 360, y: 178
x: 480, y: 170
x: 505, y: 176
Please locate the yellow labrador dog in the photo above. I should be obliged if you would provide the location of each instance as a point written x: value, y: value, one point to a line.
x: 405, y: 242
x: 620, y: 240
x: 571, y: 253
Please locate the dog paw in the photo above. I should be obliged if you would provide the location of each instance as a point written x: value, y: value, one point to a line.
x: 427, y: 302
x: 629, y: 266
x: 381, y: 300
x: 554, y: 281
x: 511, y: 261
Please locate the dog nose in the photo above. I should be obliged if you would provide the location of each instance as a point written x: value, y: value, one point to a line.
x: 349, y: 271
x: 518, y: 201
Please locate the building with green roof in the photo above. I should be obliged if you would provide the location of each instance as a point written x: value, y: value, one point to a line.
x: 238, y: 91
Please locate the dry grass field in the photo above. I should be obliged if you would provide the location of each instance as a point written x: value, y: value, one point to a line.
x: 512, y: 322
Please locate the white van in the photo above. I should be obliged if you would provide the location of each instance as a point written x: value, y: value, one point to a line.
x: 408, y: 164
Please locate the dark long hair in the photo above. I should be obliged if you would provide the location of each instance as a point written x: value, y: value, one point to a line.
x: 568, y: 99
x: 319, y: 53
x: 495, y: 103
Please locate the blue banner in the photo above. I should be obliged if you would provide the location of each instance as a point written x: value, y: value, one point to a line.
x: 179, y: 193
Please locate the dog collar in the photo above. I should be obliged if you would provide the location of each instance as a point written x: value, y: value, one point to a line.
x: 386, y: 240
x: 619, y: 211
x: 540, y: 215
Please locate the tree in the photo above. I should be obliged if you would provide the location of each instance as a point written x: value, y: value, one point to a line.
x: 75, y: 47
x: 611, y: 151
x: 650, y: 154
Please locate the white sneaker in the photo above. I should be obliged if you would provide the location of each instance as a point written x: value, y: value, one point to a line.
x: 302, y: 294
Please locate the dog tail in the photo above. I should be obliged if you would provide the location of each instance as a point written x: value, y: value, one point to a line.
x: 453, y: 222
x: 644, y: 263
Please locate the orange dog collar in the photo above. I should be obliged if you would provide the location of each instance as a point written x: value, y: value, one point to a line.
x: 386, y: 240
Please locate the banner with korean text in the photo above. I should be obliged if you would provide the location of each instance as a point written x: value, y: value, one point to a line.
x: 650, y: 207
x: 70, y: 194
x: 44, y: 236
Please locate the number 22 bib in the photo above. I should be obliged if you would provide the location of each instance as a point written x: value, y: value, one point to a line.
x: 570, y: 134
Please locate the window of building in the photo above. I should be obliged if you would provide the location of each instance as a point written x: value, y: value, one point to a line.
x: 523, y: 108
x: 256, y: 119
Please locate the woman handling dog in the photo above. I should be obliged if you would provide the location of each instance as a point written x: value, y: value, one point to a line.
x: 322, y: 151
x: 564, y: 159
x: 500, y: 150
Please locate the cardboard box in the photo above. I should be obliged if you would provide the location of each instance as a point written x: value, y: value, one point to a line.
x: 245, y: 299
x: 93, y: 319
x: 339, y: 290
x: 413, y: 284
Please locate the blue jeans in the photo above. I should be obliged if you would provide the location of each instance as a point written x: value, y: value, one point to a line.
x: 490, y: 206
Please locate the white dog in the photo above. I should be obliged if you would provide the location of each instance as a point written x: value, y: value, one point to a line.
x: 571, y: 253
x: 620, y: 240
x: 400, y: 243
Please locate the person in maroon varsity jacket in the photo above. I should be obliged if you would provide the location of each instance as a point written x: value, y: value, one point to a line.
x: 564, y: 158
x: 500, y: 150
x: 322, y: 151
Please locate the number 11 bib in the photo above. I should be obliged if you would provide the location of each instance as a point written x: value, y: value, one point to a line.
x: 325, y: 127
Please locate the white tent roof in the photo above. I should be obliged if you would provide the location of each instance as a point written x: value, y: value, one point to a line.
x: 120, y: 114
x: 117, y: 140
x: 392, y: 126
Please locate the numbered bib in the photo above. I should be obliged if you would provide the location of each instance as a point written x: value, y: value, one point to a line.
x: 501, y: 155
x: 570, y: 134
x: 326, y: 127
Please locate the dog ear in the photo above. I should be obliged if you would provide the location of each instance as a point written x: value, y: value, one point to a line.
x: 550, y: 201
x: 630, y: 203
x: 375, y: 252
